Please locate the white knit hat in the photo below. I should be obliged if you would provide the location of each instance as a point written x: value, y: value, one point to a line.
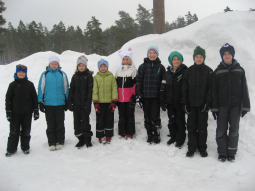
x: 54, y: 58
x: 82, y: 60
x: 128, y: 53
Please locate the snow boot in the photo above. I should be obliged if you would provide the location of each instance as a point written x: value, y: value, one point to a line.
x: 222, y: 158
x: 171, y: 141
x: 179, y: 146
x: 59, y: 146
x: 190, y: 154
x: 9, y: 154
x: 88, y: 142
x: 101, y: 140
x: 108, y: 140
x: 203, y: 154
x: 52, y: 148
x: 150, y: 139
x: 81, y: 142
x: 26, y: 152
x: 129, y: 136
x: 231, y: 158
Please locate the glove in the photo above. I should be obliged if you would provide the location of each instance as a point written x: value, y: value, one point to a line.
x: 70, y: 107
x: 36, y: 114
x: 66, y: 106
x: 163, y: 106
x: 132, y: 102
x: 97, y: 107
x: 139, y: 101
x: 215, y: 115
x: 9, y: 116
x: 41, y: 106
x: 186, y: 109
x: 206, y: 108
x: 243, y: 113
x: 113, y: 105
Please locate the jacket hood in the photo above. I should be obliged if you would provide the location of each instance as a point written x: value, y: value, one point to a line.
x: 234, y: 62
x: 182, y: 67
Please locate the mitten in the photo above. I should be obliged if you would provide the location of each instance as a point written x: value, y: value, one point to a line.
x: 215, y: 115
x: 243, y: 113
x: 113, y: 105
x: 186, y: 109
x: 36, y: 114
x: 41, y: 106
x: 206, y: 108
x: 97, y: 107
x: 163, y: 106
x: 9, y: 116
x: 132, y: 102
x: 139, y: 101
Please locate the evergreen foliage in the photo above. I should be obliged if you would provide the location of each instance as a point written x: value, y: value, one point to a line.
x: 2, y: 22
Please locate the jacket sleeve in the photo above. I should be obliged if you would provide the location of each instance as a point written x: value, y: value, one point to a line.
x: 139, y: 80
x: 245, y: 95
x: 9, y: 98
x: 209, y: 88
x: 114, y: 89
x: 40, y: 91
x: 95, y: 89
x: 71, y: 90
x: 67, y: 87
x: 215, y: 92
x: 185, y: 86
x: 134, y: 73
x: 163, y: 89
x: 34, y: 97
x: 90, y: 89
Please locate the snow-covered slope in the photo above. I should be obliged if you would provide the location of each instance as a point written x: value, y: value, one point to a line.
x: 133, y: 165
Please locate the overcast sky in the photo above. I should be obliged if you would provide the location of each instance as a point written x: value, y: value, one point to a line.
x: 79, y: 12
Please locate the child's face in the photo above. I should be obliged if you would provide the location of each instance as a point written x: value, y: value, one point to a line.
x: 152, y: 55
x: 103, y: 68
x: 199, y: 59
x: 176, y: 62
x: 21, y: 74
x: 227, y: 58
x: 54, y: 65
x: 81, y: 67
x: 125, y: 61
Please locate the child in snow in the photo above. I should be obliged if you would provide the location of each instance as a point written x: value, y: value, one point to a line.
x: 196, y: 101
x: 170, y: 98
x: 53, y: 91
x: 148, y: 81
x: 21, y: 102
x: 230, y: 100
x: 126, y: 80
x: 105, y: 95
x: 79, y: 101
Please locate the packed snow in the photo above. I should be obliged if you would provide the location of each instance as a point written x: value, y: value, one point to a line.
x: 134, y: 165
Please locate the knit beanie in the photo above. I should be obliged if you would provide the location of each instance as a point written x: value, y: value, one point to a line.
x: 199, y: 51
x: 102, y: 61
x: 54, y: 58
x: 22, y: 68
x: 128, y: 53
x: 82, y: 60
x: 155, y: 48
x: 171, y: 56
x: 227, y: 47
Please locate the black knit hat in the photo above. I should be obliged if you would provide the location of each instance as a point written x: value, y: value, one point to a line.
x: 199, y: 51
x: 227, y: 47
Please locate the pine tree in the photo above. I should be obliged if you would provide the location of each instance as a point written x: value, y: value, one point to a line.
x: 227, y: 9
x: 2, y: 22
x: 58, y: 37
x: 180, y: 22
x: 189, y: 18
x: 79, y: 39
x: 144, y: 18
x: 195, y: 18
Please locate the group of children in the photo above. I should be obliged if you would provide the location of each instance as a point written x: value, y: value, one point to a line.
x: 179, y: 90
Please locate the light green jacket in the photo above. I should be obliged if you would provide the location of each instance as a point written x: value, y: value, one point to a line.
x: 105, y: 87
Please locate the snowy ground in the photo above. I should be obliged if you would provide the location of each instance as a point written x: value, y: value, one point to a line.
x: 135, y: 165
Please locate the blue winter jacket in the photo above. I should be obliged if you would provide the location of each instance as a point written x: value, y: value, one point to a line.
x: 53, y: 87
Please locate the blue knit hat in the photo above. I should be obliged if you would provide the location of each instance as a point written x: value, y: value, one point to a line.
x: 227, y: 47
x: 22, y: 68
x: 102, y: 61
x: 154, y: 48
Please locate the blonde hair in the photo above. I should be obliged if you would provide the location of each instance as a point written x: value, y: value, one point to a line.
x: 129, y: 59
x: 49, y: 65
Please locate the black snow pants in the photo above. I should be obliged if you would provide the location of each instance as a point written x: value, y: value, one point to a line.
x: 176, y: 124
x: 197, y: 129
x: 55, y: 117
x: 126, y: 119
x: 81, y: 123
x: 228, y: 121
x: 19, y: 126
x: 151, y: 109
x: 105, y: 121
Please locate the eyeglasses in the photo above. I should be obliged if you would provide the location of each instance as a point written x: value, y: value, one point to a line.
x: 21, y: 66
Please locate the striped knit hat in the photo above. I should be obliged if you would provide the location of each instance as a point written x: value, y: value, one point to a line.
x: 155, y: 48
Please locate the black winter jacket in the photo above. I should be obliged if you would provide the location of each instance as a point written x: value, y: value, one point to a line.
x: 21, y: 97
x: 149, y: 77
x: 197, y: 86
x: 170, y: 91
x: 80, y: 92
x: 230, y: 87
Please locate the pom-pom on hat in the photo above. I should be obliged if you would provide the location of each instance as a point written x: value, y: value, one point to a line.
x: 54, y: 58
x: 199, y: 51
x: 128, y: 53
x: 22, y: 68
x: 155, y: 48
x: 227, y: 47
x: 175, y: 53
x: 102, y: 61
x: 82, y: 60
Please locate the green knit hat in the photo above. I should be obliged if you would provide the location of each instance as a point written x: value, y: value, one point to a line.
x: 171, y: 56
x: 199, y: 51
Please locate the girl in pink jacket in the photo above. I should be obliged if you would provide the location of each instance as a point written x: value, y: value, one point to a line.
x: 126, y: 80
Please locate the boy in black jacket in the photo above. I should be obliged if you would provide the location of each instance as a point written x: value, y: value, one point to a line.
x: 196, y: 101
x: 170, y: 99
x: 230, y: 100
x: 21, y: 102
x: 148, y: 81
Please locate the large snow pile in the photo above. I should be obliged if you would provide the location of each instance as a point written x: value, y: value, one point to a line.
x: 135, y: 165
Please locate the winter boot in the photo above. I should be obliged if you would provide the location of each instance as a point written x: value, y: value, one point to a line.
x: 101, y: 140
x: 190, y: 154
x: 171, y: 141
x: 59, y: 146
x: 26, y: 152
x: 129, y: 136
x: 81, y: 142
x: 108, y: 140
x: 150, y: 139
x: 222, y: 158
x: 203, y: 154
x: 88, y: 142
x: 52, y: 148
x: 178, y: 145
x: 9, y: 154
x: 231, y: 158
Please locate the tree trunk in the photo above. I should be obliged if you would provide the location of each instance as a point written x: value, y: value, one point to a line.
x: 159, y: 16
